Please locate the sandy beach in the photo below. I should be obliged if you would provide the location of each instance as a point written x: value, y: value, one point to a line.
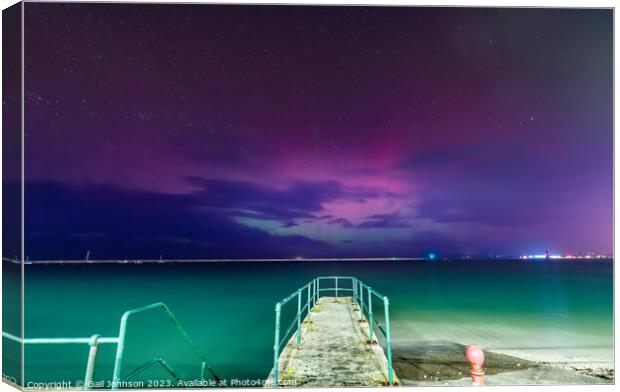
x: 443, y: 363
x: 515, y: 355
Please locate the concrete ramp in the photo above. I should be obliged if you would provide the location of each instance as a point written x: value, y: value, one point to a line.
x: 334, y: 350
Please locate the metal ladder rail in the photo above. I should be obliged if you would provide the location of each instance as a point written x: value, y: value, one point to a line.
x: 151, y: 363
x: 95, y: 340
x: 120, y: 348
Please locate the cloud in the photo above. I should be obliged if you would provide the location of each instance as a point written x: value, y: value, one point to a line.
x: 300, y: 200
x: 499, y: 184
x: 384, y: 221
x: 376, y: 221
x: 140, y: 224
x: 212, y: 221
x: 342, y: 222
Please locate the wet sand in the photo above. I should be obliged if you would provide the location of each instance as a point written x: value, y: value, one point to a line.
x: 439, y: 362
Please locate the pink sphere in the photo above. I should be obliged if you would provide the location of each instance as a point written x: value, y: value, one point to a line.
x: 475, y: 356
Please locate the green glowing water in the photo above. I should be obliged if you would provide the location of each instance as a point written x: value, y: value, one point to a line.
x: 545, y: 310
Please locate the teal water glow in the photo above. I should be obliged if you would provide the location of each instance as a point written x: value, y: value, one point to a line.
x: 552, y: 309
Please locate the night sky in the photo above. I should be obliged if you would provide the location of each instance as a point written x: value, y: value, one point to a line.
x: 194, y: 131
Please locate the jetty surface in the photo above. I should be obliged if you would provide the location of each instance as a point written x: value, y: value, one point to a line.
x: 334, y: 349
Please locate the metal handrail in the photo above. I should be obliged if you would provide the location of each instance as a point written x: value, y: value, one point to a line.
x: 120, y: 348
x: 95, y: 340
x: 385, y: 330
x: 313, y: 292
x: 56, y: 340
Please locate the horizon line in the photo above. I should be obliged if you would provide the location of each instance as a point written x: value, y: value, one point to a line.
x: 219, y: 260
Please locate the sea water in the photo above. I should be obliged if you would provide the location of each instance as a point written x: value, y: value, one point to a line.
x: 548, y: 310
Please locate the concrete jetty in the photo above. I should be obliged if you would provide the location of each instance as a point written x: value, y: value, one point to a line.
x: 334, y: 349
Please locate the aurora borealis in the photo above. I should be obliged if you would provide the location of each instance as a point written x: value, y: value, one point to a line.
x: 202, y: 131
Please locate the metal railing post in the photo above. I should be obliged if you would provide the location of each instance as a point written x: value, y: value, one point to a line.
x: 92, y: 360
x: 298, y: 316
x: 276, y: 346
x: 318, y: 289
x: 362, y: 302
x: 314, y: 292
x: 308, y: 300
x: 336, y: 287
x: 120, y: 349
x: 388, y: 340
x: 370, y: 312
x: 354, y: 287
x: 95, y: 340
